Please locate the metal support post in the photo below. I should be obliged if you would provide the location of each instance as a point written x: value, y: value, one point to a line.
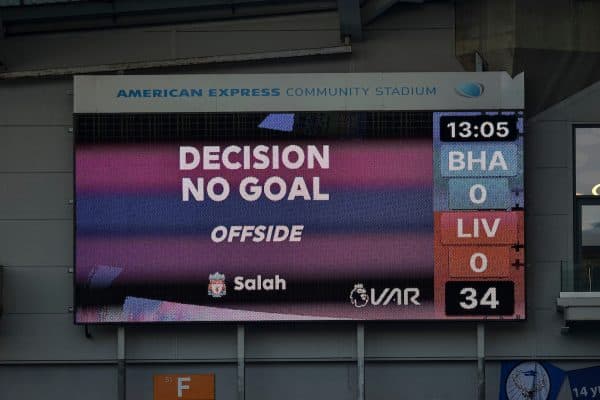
x: 241, y: 383
x: 350, y: 21
x: 121, y: 386
x: 480, y: 63
x: 480, y: 361
x: 360, y: 360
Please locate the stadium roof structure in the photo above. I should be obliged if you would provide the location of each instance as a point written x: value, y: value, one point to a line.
x: 18, y: 17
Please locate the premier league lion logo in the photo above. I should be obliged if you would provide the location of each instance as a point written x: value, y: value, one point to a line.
x: 216, y: 285
x: 358, y: 296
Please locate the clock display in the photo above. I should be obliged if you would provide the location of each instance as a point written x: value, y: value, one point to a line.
x: 478, y: 128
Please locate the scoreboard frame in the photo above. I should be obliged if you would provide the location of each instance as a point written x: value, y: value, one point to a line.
x: 513, y: 105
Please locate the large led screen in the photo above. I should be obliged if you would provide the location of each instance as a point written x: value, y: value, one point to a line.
x: 274, y: 214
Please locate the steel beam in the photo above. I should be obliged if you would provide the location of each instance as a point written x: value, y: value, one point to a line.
x: 106, y: 68
x: 375, y: 8
x: 57, y: 17
x: 1, y: 27
x: 1, y: 283
x: 350, y: 21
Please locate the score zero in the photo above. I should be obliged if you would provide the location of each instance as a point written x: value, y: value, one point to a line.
x: 477, y: 163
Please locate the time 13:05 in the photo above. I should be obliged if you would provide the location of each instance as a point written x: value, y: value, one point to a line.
x: 466, y: 128
x: 487, y: 129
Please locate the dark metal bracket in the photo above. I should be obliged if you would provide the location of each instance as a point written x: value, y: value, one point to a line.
x: 88, y: 334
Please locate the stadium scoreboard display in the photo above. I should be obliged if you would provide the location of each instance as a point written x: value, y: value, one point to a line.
x: 388, y: 196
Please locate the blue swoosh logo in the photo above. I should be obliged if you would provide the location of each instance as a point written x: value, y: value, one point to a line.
x: 470, y: 89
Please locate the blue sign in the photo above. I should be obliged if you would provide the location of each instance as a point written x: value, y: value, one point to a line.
x: 489, y: 159
x: 530, y: 380
x: 479, y: 194
x: 585, y: 383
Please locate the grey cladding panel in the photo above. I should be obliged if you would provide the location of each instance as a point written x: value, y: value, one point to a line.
x: 540, y: 337
x: 543, y: 284
x: 548, y: 144
x: 97, y: 47
x: 434, y: 53
x: 326, y: 20
x: 36, y: 149
x: 405, y: 16
x: 421, y: 380
x: 53, y: 337
x: 549, y: 191
x: 301, y: 381
x: 420, y: 340
x: 37, y: 290
x: 36, y: 102
x: 85, y: 48
x: 547, y: 237
x: 225, y: 43
x: 36, y: 196
x: 36, y: 243
x: 301, y: 341
x: 158, y: 343
x: 550, y: 343
x: 207, y: 342
x: 585, y: 108
x: 299, y: 65
x: 199, y: 342
x: 93, y: 382
x: 512, y: 339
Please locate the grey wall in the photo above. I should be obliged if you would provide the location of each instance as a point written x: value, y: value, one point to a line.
x: 39, y: 342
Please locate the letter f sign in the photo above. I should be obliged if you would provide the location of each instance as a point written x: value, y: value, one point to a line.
x: 181, y: 386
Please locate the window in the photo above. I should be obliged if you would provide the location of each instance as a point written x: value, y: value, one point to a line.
x: 586, y: 274
x: 587, y: 161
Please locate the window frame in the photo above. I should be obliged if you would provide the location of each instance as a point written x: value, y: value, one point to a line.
x: 579, y: 201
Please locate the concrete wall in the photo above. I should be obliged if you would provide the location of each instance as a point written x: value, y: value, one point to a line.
x: 555, y: 42
x: 42, y: 352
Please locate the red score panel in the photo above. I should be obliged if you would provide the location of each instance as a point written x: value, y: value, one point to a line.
x: 479, y: 262
x: 479, y: 228
x: 484, y: 246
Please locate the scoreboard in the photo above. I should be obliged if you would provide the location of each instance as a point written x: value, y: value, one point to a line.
x: 287, y: 197
x: 479, y: 214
